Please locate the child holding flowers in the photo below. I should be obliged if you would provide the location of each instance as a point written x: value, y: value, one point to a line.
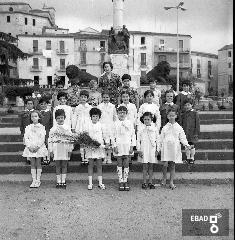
x: 60, y: 149
x: 35, y: 149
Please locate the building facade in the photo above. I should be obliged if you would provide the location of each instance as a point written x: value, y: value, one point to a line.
x: 205, y: 69
x: 225, y: 70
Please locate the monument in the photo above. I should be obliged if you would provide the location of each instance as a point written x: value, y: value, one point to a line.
x: 118, y: 43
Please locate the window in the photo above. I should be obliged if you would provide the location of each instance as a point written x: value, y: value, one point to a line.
x: 142, y: 40
x: 229, y: 54
x: 35, y: 63
x: 181, y: 74
x: 10, y: 9
x: 181, y: 45
x: 143, y: 59
x: 8, y: 18
x: 229, y: 65
x: 25, y: 21
x: 162, y: 42
x: 34, y: 22
x: 62, y: 63
x: 49, y: 80
x: 35, y: 45
x: 162, y: 58
x: 181, y: 59
x: 198, y: 73
x: 48, y: 62
x: 83, y: 57
x: 36, y: 80
x: 230, y: 78
x: 48, y: 45
x: 82, y: 45
x: 61, y: 46
x: 83, y: 70
x: 102, y: 44
x: 209, y: 68
x: 26, y: 33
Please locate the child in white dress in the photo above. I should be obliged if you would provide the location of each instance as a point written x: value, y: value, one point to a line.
x: 107, y: 119
x: 156, y: 92
x: 172, y: 135
x: 81, y: 119
x: 60, y: 151
x: 124, y: 141
x: 148, y: 144
x: 62, y: 98
x: 95, y: 131
x: 149, y: 106
x: 35, y: 149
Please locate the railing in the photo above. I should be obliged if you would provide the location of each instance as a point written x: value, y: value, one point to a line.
x: 61, y: 69
x: 35, y: 68
x: 35, y: 51
x: 102, y: 49
x: 83, y: 48
x: 173, y: 50
x: 62, y: 51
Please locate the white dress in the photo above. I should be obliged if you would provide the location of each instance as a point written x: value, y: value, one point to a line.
x: 154, y: 109
x: 95, y: 131
x: 157, y: 96
x: 68, y: 115
x: 108, y: 117
x: 132, y: 112
x: 171, y: 137
x: 148, y: 142
x: 35, y: 137
x: 124, y: 137
x: 60, y: 150
x: 81, y: 117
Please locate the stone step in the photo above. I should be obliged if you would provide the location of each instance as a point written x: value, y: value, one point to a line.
x: 216, y: 121
x: 201, y: 154
x: 204, y: 115
x: 76, y: 167
x: 201, y: 144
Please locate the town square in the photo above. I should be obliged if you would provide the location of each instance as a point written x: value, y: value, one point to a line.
x: 116, y: 119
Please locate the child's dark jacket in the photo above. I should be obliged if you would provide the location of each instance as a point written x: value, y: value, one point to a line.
x: 24, y: 120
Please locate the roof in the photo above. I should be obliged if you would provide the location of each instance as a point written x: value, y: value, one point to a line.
x: 106, y: 32
x: 14, y: 3
x: 88, y: 36
x: 204, y: 54
x: 57, y: 28
x: 226, y: 47
x: 46, y: 35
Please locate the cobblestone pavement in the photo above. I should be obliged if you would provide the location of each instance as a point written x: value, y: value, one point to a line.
x: 76, y: 213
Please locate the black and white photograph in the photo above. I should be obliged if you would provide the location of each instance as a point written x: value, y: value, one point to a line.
x: 116, y: 120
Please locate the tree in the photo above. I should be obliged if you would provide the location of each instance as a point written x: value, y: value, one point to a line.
x: 160, y: 72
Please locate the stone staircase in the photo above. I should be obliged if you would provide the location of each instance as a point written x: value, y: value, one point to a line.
x: 214, y: 148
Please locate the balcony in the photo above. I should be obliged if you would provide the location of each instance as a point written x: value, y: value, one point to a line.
x: 181, y: 65
x: 83, y: 48
x: 35, y: 68
x: 102, y: 49
x: 61, y: 69
x: 62, y: 51
x: 158, y: 49
x: 143, y: 65
x: 35, y: 51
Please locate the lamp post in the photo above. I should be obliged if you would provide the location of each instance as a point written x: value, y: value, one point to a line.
x: 179, y: 6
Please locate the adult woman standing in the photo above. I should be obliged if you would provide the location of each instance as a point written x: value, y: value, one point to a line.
x: 111, y: 82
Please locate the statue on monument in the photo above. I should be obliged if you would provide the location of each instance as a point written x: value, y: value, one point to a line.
x: 119, y: 43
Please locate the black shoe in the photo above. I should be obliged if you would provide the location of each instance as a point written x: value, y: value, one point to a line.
x: 121, y: 187
x: 144, y: 186
x: 63, y: 185
x: 126, y: 186
x: 151, y: 186
x: 191, y: 161
x: 58, y: 185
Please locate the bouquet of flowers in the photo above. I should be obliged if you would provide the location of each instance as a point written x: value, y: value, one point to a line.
x: 74, y: 138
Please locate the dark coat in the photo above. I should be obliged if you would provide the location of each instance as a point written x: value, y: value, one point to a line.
x: 24, y: 120
x: 180, y: 99
x: 163, y: 111
x: 191, y: 124
x: 47, y: 121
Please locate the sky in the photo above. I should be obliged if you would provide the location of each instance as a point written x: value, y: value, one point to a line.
x: 209, y: 22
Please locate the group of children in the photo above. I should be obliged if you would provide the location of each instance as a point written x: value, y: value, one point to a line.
x: 153, y: 129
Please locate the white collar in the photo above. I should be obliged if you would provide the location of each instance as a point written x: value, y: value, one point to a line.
x: 185, y: 93
x: 169, y: 103
x: 46, y: 110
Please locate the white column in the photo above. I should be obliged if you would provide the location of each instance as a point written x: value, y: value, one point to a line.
x: 118, y: 14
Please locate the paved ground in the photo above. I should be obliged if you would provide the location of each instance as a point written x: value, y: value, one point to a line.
x: 76, y: 213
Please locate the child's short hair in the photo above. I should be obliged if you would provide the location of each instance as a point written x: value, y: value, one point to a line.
x: 43, y: 99
x: 152, y: 80
x: 95, y: 111
x: 125, y: 92
x: 62, y: 94
x: 105, y: 92
x: 122, y: 108
x: 149, y: 114
x: 110, y: 64
x: 188, y: 100
x: 126, y: 76
x: 39, y: 115
x: 186, y: 82
x: 169, y: 91
x: 28, y: 99
x: 171, y: 109
x: 92, y: 83
x: 59, y: 82
x: 59, y: 112
x: 148, y: 92
x: 84, y: 93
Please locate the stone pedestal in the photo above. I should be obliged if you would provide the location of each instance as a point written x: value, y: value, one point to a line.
x: 120, y: 63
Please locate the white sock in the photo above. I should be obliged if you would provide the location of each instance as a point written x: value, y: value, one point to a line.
x: 126, y: 172
x: 119, y: 172
x: 63, y: 178
x: 192, y: 153
x: 39, y: 173
x: 58, y: 178
x: 34, y: 174
x: 187, y: 153
x: 90, y: 180
x: 100, y: 178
